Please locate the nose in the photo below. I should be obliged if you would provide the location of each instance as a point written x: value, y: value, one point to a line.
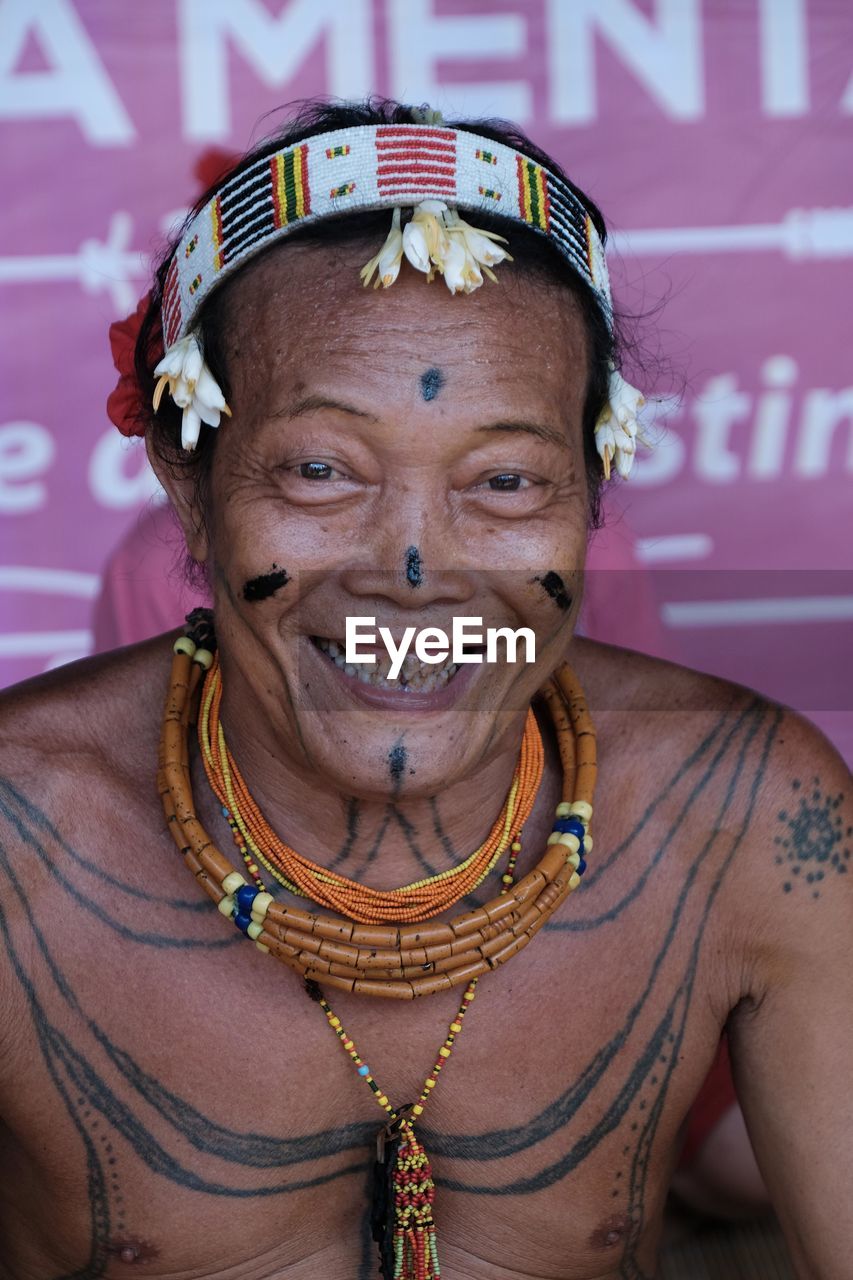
x: 411, y: 561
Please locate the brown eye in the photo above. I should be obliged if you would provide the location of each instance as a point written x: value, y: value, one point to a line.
x: 505, y: 481
x: 315, y: 470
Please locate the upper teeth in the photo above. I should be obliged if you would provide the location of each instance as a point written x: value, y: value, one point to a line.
x: 415, y: 675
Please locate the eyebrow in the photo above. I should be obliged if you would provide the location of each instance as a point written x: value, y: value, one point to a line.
x: 537, y: 429
x: 311, y: 404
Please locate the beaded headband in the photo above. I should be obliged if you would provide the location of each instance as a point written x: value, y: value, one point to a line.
x: 434, y: 169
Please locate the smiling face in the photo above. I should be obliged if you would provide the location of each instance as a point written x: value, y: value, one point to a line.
x: 405, y: 455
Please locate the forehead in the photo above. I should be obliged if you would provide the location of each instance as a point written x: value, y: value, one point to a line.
x: 300, y: 314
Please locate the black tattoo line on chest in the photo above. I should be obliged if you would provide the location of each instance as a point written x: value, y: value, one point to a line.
x: 814, y: 843
x: 265, y: 585
x: 431, y: 382
x: 78, y: 1076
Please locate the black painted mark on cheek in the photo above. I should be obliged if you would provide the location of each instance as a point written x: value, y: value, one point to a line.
x: 414, y: 569
x: 431, y: 383
x: 266, y: 585
x: 552, y: 584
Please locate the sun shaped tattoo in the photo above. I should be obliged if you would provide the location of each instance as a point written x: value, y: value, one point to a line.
x: 814, y: 844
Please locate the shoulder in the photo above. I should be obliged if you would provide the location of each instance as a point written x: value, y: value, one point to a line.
x: 770, y: 795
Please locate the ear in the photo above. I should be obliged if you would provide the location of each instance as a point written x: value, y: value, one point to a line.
x: 182, y: 489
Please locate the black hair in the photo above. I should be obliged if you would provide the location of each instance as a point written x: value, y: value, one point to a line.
x: 532, y: 252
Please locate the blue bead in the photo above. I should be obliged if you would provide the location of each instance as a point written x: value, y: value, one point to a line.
x: 224, y: 811
x: 572, y: 824
x: 242, y: 921
x: 245, y: 896
x: 581, y: 867
x: 364, y: 1070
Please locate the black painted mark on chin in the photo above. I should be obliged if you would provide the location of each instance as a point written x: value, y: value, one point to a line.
x: 266, y: 585
x: 414, y: 568
x: 397, y: 758
x: 552, y: 584
x: 431, y: 383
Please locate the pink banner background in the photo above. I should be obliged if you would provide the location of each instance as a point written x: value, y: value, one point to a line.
x: 716, y: 137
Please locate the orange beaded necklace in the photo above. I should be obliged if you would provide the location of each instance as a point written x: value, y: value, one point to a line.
x: 420, y: 900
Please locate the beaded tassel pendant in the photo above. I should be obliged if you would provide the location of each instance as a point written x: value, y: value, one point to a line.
x: 401, y: 1216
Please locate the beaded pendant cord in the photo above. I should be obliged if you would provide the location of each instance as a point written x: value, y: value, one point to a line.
x: 401, y: 1217
x: 403, y: 961
x: 420, y: 900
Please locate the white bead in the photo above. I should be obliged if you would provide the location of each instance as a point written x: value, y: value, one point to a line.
x: 261, y: 905
x: 226, y: 905
x: 184, y: 645
x: 232, y: 882
x: 582, y: 809
x: 587, y: 843
x: 573, y: 860
x: 254, y: 931
x: 574, y: 880
x: 261, y: 946
x: 204, y: 658
x: 563, y: 809
x: 569, y: 839
x: 554, y: 837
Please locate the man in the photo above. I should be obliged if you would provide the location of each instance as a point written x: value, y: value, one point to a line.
x: 171, y: 1097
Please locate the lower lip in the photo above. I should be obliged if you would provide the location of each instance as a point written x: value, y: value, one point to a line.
x: 401, y: 699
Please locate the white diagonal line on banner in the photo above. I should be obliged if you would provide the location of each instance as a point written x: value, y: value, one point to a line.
x: 674, y: 546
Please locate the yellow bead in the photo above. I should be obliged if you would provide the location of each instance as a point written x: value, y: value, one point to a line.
x: 587, y: 843
x: 554, y: 837
x: 469, y: 995
x: 184, y: 645
x: 564, y: 809
x: 349, y: 1044
x: 204, y: 658
x: 574, y: 880
x: 417, y: 1109
x: 232, y: 882
x: 573, y: 860
x: 569, y: 840
x: 444, y: 1052
x: 262, y: 946
x: 456, y: 1026
x: 226, y: 905
x: 582, y: 809
x: 334, y: 1022
x: 382, y: 1100
x: 261, y: 904
x: 506, y: 879
x: 516, y: 846
x: 429, y: 1084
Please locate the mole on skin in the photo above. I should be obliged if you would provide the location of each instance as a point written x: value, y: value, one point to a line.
x: 431, y: 383
x: 552, y: 584
x: 414, y: 570
x: 266, y: 585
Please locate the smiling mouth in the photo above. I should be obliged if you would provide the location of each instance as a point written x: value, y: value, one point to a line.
x: 415, y: 676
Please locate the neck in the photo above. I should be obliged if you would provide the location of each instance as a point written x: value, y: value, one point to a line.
x: 384, y: 840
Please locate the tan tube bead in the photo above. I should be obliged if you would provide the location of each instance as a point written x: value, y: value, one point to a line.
x: 459, y: 977
x: 375, y: 936
x: 330, y: 980
x: 510, y: 949
x: 430, y: 984
x: 391, y: 990
x: 295, y: 937
x: 333, y: 930
x: 368, y: 960
x: 335, y: 952
x: 315, y: 963
x: 425, y: 935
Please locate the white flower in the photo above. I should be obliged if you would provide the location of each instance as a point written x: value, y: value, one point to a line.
x: 192, y: 387
x: 618, y: 425
x: 388, y: 258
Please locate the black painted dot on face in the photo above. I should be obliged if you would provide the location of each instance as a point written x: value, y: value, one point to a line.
x: 414, y: 569
x: 266, y: 585
x: 397, y: 758
x: 552, y: 584
x: 431, y: 383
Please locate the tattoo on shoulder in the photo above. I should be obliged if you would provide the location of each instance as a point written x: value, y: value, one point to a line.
x: 812, y: 844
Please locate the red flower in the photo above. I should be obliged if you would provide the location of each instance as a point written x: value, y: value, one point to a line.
x: 124, y: 404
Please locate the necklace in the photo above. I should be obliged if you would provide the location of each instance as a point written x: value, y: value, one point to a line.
x: 403, y: 1188
x: 403, y: 961
x: 420, y: 900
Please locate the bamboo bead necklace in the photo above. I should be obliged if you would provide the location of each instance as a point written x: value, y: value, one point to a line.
x: 402, y: 961
x: 420, y: 900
